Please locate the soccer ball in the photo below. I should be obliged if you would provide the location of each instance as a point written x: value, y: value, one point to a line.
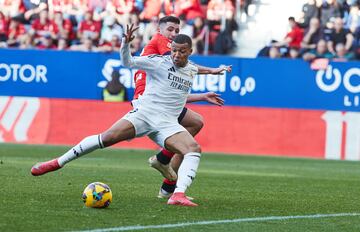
x: 97, y: 195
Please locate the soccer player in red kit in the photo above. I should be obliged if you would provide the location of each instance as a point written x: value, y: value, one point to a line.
x: 160, y: 44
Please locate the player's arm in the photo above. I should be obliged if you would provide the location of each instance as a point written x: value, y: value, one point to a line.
x: 147, y: 63
x: 208, y: 70
x: 210, y: 97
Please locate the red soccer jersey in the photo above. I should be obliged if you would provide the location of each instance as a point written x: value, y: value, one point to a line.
x: 296, y: 35
x: 91, y: 26
x: 159, y: 45
x: 41, y: 29
x: 67, y: 25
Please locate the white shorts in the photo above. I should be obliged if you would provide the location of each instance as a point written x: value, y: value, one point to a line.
x: 156, y: 126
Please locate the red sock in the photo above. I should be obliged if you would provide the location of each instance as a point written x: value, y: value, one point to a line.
x: 167, y: 153
x: 168, y: 186
x: 169, y: 182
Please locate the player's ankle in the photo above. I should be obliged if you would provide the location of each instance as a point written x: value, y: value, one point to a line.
x: 168, y: 186
x: 163, y: 158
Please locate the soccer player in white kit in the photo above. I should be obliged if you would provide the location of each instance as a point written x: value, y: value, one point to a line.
x: 169, y: 83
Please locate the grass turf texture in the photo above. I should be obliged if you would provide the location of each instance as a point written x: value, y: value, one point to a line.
x: 227, y: 187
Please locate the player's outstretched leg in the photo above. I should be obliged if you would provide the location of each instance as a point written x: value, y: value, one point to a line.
x: 121, y: 130
x: 87, y: 145
x: 161, y: 162
x: 45, y: 167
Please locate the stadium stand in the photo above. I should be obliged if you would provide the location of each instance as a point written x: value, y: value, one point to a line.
x: 336, y: 21
x: 96, y: 25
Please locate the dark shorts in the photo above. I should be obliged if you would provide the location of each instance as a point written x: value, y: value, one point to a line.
x: 182, y: 114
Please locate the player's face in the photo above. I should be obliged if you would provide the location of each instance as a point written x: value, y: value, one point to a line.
x: 180, y: 53
x: 169, y: 30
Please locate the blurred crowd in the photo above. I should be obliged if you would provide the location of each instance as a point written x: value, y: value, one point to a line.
x: 324, y: 29
x: 97, y: 25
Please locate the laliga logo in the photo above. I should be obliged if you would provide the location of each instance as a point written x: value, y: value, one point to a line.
x: 334, y: 76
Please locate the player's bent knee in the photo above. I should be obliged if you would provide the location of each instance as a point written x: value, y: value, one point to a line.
x: 199, y: 123
x: 195, y: 147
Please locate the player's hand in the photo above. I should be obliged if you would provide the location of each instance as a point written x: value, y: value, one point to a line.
x: 220, y: 70
x: 129, y: 33
x: 214, y: 98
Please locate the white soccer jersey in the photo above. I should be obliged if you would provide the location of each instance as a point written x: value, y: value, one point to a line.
x: 167, y: 87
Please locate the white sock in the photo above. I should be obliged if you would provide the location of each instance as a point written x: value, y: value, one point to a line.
x: 187, y: 171
x: 86, y: 146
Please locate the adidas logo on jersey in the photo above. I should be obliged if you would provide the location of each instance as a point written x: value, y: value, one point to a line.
x: 172, y: 69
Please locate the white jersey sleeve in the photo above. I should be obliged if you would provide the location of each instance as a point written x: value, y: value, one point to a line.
x: 147, y: 63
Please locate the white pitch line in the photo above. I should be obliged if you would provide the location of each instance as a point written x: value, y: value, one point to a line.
x: 239, y: 220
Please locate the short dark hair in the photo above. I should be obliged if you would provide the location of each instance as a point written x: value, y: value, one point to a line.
x: 169, y: 18
x: 182, y: 38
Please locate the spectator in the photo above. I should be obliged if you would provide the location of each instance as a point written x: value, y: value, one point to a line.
x: 136, y: 46
x: 25, y: 41
x: 294, y: 37
x: 329, y: 10
x: 76, y: 11
x: 41, y: 26
x: 114, y: 91
x: 274, y: 52
x: 111, y: 46
x: 62, y: 44
x: 185, y: 28
x: 96, y: 6
x: 293, y: 53
x: 89, y: 28
x: 321, y: 51
x: 199, y: 31
x: 31, y: 10
x: 61, y: 28
x: 340, y: 35
x: 87, y: 45
x: 152, y: 9
x: 218, y: 8
x: 342, y: 54
x: 352, y: 21
x: 56, y: 6
x: 224, y: 43
x: 124, y: 6
x: 312, y: 35
x: 190, y: 8
x: 150, y: 29
x: 3, y: 27
x: 12, y: 8
x: 110, y: 28
x: 245, y: 5
x: 46, y: 42
x: 135, y: 20
x: 309, y: 10
x: 16, y: 30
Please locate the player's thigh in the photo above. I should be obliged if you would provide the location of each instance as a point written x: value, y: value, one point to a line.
x: 182, y: 143
x: 119, y: 131
x: 192, y: 119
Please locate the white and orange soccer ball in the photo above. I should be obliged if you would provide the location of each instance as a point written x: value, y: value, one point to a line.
x: 97, y: 195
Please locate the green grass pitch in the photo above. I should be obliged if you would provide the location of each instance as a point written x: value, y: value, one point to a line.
x: 227, y: 187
